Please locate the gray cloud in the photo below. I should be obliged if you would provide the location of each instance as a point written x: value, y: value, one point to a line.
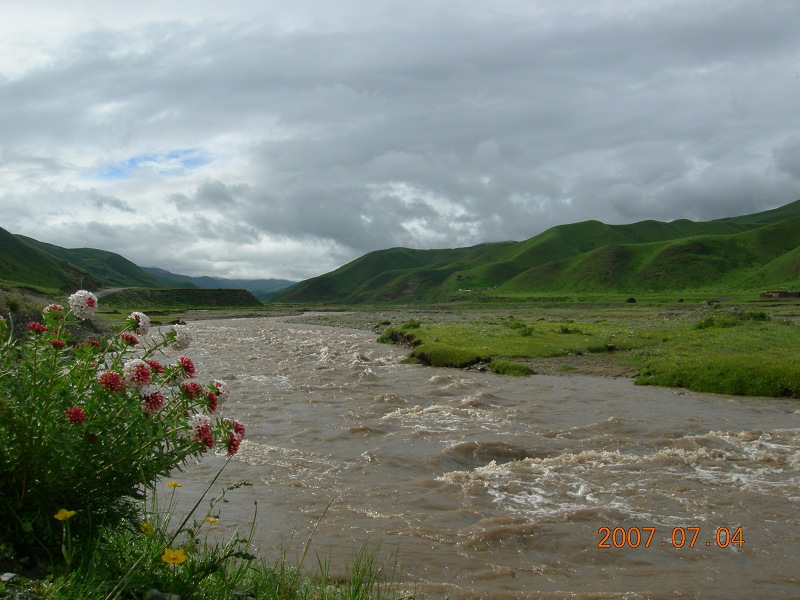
x: 284, y: 143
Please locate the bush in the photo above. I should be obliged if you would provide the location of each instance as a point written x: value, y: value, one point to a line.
x: 88, y: 428
x: 510, y: 368
x: 392, y: 335
x: 566, y: 330
x: 731, y: 318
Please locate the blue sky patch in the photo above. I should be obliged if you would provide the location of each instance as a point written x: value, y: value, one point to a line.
x: 170, y: 164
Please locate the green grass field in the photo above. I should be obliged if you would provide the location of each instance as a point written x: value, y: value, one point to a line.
x: 708, y: 347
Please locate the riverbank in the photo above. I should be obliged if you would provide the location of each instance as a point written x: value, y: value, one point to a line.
x: 493, y: 486
x: 709, y: 347
x: 593, y: 365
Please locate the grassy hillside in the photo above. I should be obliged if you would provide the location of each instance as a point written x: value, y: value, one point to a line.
x: 27, y: 265
x: 739, y: 260
x: 750, y: 252
x: 178, y: 299
x: 25, y: 262
x: 386, y: 275
x: 108, y: 268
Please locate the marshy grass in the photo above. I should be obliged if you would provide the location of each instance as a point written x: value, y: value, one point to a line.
x: 706, y: 348
x: 732, y: 354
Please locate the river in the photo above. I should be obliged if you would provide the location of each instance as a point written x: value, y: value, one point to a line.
x: 486, y: 486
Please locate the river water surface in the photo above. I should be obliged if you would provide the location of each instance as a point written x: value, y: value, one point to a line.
x: 488, y: 486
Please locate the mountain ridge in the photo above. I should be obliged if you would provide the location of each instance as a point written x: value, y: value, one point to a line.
x: 33, y: 263
x: 588, y: 256
x: 743, y: 252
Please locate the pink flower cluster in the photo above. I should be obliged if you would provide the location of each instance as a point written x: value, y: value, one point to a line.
x: 201, y: 425
x: 37, y: 327
x: 75, y: 414
x: 212, y: 402
x: 136, y: 373
x: 111, y: 380
x: 129, y: 338
x: 235, y: 437
x: 152, y: 399
x: 192, y: 389
x: 186, y: 366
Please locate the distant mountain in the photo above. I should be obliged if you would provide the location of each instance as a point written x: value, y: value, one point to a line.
x: 26, y: 264
x: 260, y: 288
x: 748, y: 252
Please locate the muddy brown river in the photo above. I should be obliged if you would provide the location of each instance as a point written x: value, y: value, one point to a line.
x: 485, y: 486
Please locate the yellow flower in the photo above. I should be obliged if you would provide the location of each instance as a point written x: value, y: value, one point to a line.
x: 64, y: 514
x: 145, y: 528
x: 173, y: 484
x: 173, y: 557
x: 212, y: 520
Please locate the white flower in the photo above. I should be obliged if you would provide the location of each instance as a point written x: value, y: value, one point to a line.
x: 182, y: 337
x: 142, y: 322
x: 223, y: 391
x: 200, y: 422
x: 83, y: 304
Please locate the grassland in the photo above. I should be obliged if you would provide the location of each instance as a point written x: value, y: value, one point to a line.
x: 743, y: 348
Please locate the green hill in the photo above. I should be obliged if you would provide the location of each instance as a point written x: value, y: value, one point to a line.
x: 54, y: 270
x: 180, y: 299
x: 746, y: 252
x: 108, y: 268
x: 25, y: 264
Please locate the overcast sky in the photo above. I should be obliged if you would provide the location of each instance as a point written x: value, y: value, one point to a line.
x: 253, y: 138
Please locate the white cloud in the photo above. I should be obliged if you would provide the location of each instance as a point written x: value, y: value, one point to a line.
x: 269, y: 140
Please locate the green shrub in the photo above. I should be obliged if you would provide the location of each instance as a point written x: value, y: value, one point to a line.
x: 449, y: 356
x: 87, y: 428
x: 567, y: 330
x: 393, y: 335
x: 753, y: 315
x: 731, y: 318
x: 509, y: 368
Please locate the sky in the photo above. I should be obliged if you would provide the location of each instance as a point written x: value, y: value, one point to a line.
x: 265, y: 139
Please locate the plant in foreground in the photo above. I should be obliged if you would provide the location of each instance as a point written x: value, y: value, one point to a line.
x: 92, y: 426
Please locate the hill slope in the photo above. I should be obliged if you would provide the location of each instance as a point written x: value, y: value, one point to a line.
x: 108, y: 268
x: 26, y: 264
x: 758, y: 250
x: 50, y: 268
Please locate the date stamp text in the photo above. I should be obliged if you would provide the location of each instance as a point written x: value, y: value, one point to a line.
x: 679, y: 537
